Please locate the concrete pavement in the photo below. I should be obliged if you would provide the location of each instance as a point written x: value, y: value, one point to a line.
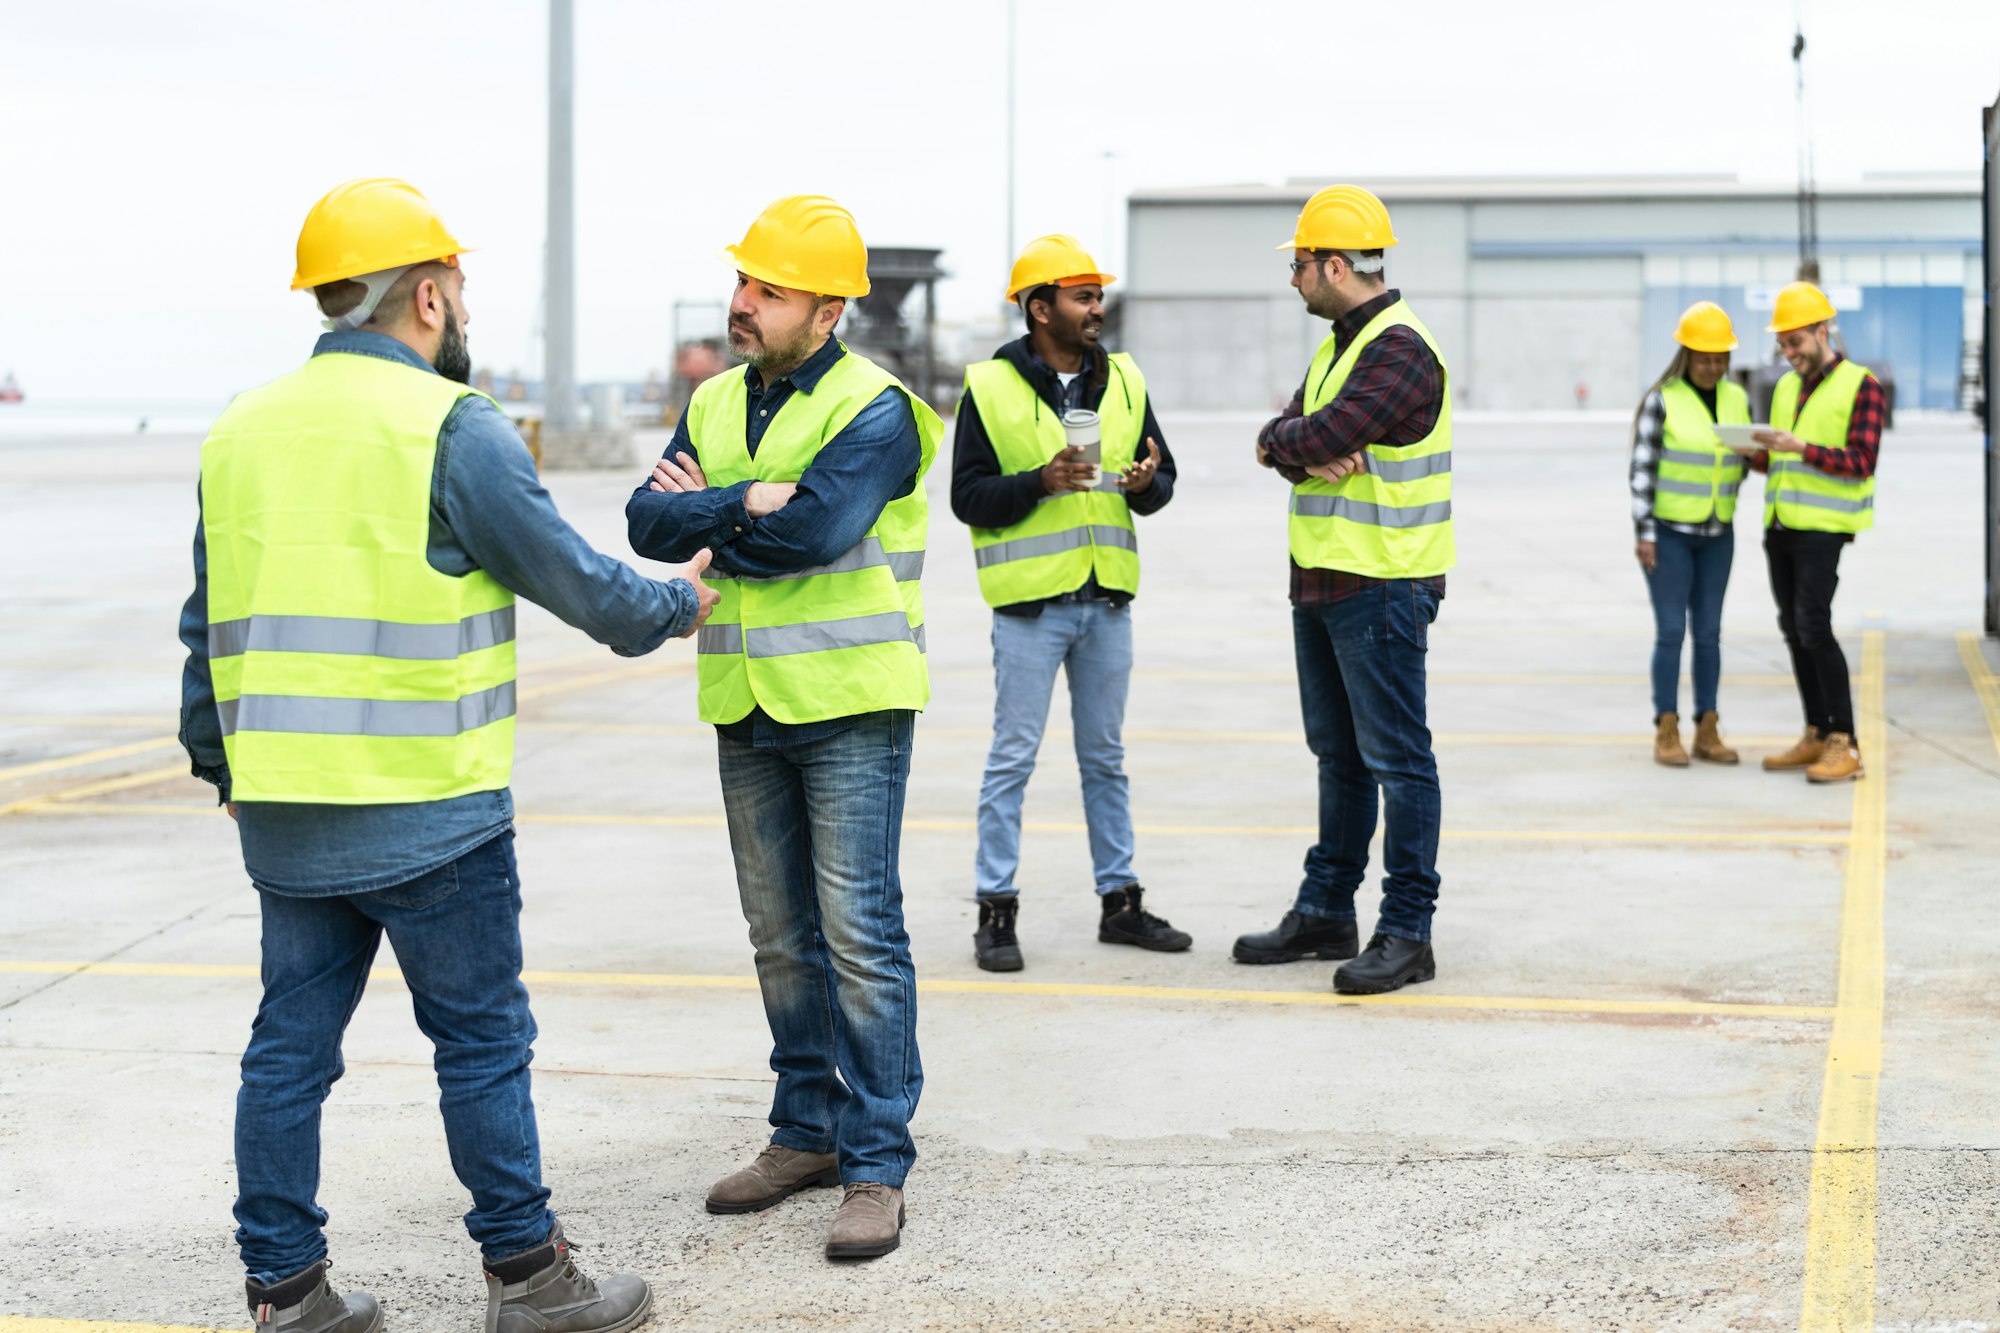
x: 1602, y: 1115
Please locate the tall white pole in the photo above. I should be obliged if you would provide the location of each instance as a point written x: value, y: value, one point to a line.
x: 1011, y: 251
x: 559, y: 318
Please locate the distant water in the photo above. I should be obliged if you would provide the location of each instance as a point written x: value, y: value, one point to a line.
x: 42, y: 420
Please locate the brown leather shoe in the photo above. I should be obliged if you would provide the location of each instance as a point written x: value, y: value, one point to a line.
x: 776, y: 1175
x: 1804, y: 754
x: 1667, y: 748
x: 1708, y: 745
x: 1839, y: 762
x: 869, y: 1223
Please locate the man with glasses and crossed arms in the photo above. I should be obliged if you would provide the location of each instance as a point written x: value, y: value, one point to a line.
x: 1366, y: 444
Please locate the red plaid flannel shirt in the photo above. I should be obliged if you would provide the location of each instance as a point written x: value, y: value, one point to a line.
x: 1392, y: 396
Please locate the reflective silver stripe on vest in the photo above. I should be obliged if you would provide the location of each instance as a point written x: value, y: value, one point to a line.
x: 1410, y: 469
x: 1813, y: 500
x: 811, y: 637
x: 1800, y: 466
x: 819, y: 636
x: 719, y: 639
x: 1687, y: 458
x: 1374, y: 515
x: 366, y: 717
x: 1672, y: 487
x: 1054, y: 543
x: 864, y: 554
x: 361, y: 638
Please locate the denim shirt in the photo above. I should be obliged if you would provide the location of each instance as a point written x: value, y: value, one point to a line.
x: 851, y: 480
x: 488, y: 511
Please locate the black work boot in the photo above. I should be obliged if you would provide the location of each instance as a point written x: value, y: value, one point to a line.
x: 307, y: 1303
x: 542, y: 1291
x: 1125, y: 922
x: 994, y: 946
x: 1387, y: 964
x: 1299, y: 936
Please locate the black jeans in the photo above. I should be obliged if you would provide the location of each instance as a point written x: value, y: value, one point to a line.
x: 1805, y: 569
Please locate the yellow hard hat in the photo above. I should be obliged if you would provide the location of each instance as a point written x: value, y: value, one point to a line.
x: 1342, y: 217
x: 1056, y: 258
x: 1799, y: 304
x: 1705, y: 327
x: 805, y: 241
x: 366, y: 226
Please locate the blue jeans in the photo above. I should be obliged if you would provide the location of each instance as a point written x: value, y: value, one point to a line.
x: 816, y: 827
x: 457, y: 936
x: 1091, y: 643
x: 1361, y: 688
x: 1688, y: 578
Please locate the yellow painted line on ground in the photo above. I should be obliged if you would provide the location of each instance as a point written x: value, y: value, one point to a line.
x: 72, y: 721
x: 1840, y: 1210
x: 56, y: 800
x: 1768, y: 838
x: 81, y: 760
x: 1984, y: 683
x: 1638, y: 742
x: 1041, y: 989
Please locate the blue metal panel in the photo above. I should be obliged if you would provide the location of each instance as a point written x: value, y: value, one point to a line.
x: 1915, y: 331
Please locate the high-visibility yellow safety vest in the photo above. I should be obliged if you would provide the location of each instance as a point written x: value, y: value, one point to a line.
x: 1070, y: 536
x: 837, y: 639
x: 1393, y: 521
x: 1802, y: 497
x: 347, y: 671
x: 1699, y: 475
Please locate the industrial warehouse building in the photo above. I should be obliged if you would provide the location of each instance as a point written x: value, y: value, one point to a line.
x: 1563, y: 292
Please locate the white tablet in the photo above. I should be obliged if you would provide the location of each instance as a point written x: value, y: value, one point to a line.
x: 1738, y: 437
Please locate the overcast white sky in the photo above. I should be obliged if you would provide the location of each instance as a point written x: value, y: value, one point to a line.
x: 156, y: 159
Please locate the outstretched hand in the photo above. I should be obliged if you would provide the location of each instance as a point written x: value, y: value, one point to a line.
x: 705, y: 596
x: 1139, y: 477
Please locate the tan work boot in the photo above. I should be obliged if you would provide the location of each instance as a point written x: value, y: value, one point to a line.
x: 776, y: 1175
x: 1804, y: 754
x: 1840, y: 761
x: 1667, y: 748
x: 1708, y: 744
x: 869, y: 1223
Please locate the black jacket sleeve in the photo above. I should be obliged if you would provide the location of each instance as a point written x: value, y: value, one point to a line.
x: 1155, y: 497
x: 981, y: 495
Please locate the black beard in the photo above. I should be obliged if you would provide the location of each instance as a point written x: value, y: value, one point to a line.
x: 453, y: 360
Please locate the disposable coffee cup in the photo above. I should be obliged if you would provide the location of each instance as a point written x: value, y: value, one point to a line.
x: 1080, y: 429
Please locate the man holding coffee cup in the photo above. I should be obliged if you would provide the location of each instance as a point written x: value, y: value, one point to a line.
x: 1056, y: 450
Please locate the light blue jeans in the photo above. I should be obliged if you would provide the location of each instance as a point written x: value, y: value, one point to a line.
x: 816, y: 826
x: 1091, y: 642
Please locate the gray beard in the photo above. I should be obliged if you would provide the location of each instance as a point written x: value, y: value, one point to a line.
x: 782, y: 358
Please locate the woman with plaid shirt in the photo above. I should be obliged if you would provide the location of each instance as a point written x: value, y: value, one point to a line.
x: 1684, y: 490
